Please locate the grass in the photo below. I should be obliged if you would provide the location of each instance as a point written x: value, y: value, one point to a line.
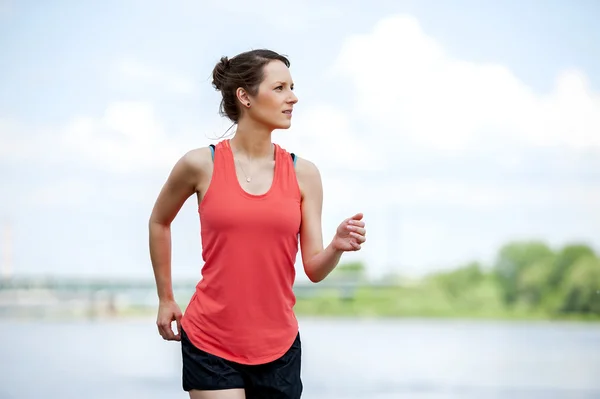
x: 427, y: 300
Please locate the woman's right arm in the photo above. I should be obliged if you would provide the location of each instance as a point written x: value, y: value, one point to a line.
x: 183, y: 181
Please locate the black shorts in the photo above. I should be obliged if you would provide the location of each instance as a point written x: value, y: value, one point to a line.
x: 277, y: 379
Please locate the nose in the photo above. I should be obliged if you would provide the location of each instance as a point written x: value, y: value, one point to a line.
x: 293, y: 99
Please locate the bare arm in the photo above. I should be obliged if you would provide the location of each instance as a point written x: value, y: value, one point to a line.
x: 182, y: 182
x: 319, y: 261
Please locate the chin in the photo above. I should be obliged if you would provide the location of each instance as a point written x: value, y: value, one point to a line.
x: 277, y: 123
x: 282, y: 126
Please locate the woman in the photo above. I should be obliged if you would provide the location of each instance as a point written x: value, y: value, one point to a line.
x: 239, y: 335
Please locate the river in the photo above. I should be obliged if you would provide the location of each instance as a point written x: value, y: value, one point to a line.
x: 342, y: 358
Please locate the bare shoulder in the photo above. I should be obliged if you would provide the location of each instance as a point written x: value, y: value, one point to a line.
x: 187, y: 177
x: 309, y: 177
x: 305, y: 167
x: 190, y: 171
x: 196, y: 160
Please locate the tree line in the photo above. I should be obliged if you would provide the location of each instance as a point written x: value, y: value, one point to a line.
x: 531, y: 275
x: 525, y: 278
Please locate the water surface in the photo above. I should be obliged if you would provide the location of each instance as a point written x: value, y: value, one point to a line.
x: 342, y: 359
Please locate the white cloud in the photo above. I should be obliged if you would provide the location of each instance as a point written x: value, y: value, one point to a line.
x: 406, y: 84
x: 324, y: 132
x: 126, y: 138
x: 172, y: 82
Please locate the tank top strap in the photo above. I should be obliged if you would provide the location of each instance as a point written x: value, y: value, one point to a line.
x: 221, y: 163
x: 286, y: 170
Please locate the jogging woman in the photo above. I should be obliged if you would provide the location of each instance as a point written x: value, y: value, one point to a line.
x: 256, y: 202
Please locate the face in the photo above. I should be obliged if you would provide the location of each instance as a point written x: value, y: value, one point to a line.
x: 273, y: 104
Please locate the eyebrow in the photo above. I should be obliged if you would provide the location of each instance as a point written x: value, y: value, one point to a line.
x: 283, y: 83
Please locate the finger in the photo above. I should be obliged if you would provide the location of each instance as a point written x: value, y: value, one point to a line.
x: 358, y: 216
x: 160, y: 329
x: 359, y: 238
x: 167, y: 332
x: 160, y: 332
x: 170, y: 335
x: 163, y: 332
x: 358, y: 223
x: 358, y: 230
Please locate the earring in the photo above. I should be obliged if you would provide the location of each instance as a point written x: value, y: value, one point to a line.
x: 248, y: 104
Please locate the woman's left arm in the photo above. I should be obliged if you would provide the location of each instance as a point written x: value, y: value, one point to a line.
x: 350, y: 235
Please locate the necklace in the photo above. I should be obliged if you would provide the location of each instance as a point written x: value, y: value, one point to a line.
x: 248, y: 178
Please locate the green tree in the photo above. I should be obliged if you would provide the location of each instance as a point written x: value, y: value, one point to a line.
x: 565, y: 259
x: 458, y: 281
x: 513, y: 259
x: 532, y: 284
x: 581, y: 290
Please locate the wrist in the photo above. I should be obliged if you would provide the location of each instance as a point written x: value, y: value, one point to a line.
x: 336, y: 246
x: 334, y: 252
x: 164, y: 298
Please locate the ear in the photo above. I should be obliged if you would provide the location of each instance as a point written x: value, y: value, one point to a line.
x: 242, y: 97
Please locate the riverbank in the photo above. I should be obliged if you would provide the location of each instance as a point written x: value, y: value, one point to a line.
x: 427, y: 301
x: 419, y: 302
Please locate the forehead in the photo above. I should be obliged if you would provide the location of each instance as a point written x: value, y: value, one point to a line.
x: 276, y: 71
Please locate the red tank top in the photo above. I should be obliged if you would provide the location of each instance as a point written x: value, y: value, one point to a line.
x: 242, y: 308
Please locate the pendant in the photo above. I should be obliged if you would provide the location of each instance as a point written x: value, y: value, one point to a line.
x: 248, y: 179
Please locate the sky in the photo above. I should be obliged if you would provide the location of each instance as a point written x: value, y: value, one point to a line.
x: 455, y: 127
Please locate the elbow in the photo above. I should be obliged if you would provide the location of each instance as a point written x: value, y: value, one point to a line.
x: 154, y: 221
x: 157, y: 227
x: 314, y: 277
x: 152, y: 224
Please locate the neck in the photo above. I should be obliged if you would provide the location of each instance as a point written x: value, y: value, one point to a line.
x: 252, y: 139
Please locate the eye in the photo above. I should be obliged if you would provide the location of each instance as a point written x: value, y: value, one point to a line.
x: 279, y: 88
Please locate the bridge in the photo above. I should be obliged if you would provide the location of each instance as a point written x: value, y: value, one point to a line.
x: 43, y: 296
x: 116, y: 286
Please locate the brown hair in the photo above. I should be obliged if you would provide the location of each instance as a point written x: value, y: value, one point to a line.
x: 245, y: 70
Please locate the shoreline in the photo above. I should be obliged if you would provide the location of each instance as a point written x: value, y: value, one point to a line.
x: 150, y: 313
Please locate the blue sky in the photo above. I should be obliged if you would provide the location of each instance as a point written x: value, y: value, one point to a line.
x: 453, y: 127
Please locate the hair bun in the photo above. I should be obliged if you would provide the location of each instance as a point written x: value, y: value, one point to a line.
x: 220, y: 72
